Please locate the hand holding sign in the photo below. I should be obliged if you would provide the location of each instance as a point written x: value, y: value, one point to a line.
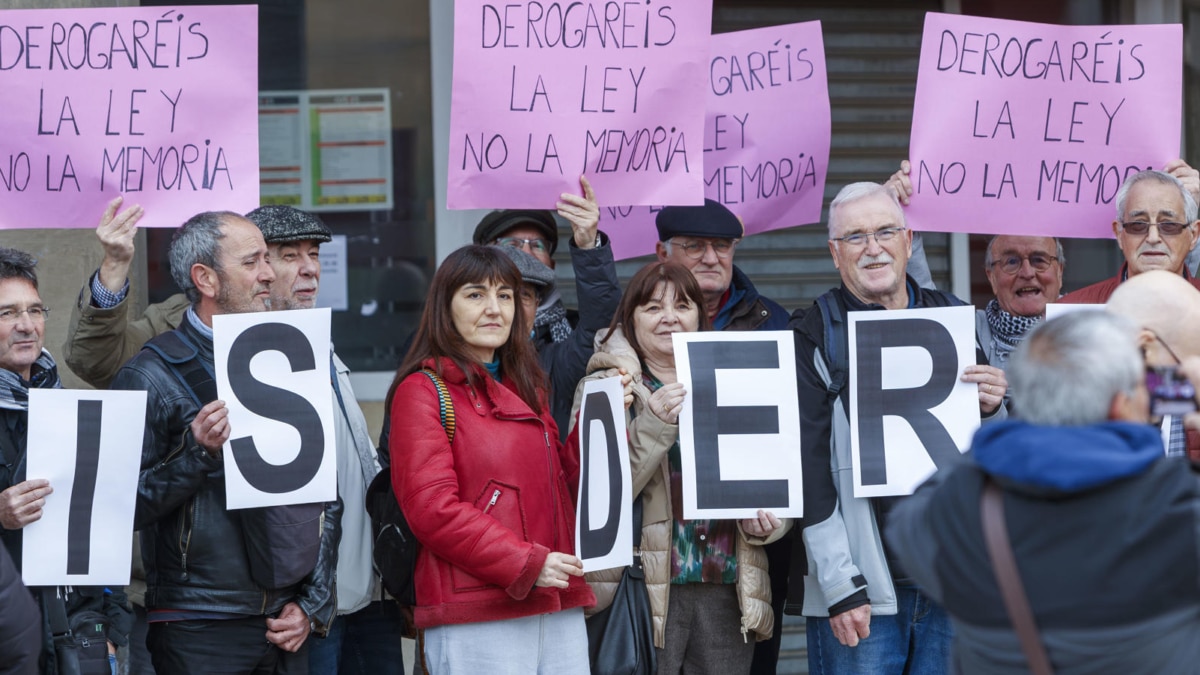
x: 762, y: 526
x: 211, y: 427
x: 558, y: 570
x: 992, y: 386
x: 22, y: 503
x: 667, y: 402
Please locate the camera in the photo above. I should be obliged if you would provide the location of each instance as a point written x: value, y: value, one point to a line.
x: 1170, y: 392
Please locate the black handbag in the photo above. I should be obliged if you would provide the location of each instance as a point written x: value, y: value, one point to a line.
x: 621, y: 636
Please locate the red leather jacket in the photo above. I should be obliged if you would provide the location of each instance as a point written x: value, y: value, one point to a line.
x: 488, y: 508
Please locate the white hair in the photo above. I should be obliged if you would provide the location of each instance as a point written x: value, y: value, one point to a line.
x: 855, y: 192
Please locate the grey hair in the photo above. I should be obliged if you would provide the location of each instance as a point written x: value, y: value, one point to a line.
x: 988, y: 259
x: 1163, y: 178
x: 856, y: 192
x: 1068, y: 370
x: 15, y: 264
x: 197, y: 242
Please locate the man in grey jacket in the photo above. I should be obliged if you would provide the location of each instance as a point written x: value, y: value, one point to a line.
x: 865, y: 615
x: 1103, y: 527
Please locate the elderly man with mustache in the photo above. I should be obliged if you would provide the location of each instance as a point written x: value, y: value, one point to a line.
x: 865, y: 615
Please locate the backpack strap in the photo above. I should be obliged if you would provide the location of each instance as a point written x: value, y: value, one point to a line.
x: 445, y: 404
x: 835, y: 354
x: 182, y: 357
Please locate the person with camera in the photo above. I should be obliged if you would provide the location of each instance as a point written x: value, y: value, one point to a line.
x: 25, y: 365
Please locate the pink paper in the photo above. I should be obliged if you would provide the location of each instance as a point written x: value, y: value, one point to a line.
x: 545, y: 92
x: 1030, y: 129
x: 766, y: 135
x: 159, y: 105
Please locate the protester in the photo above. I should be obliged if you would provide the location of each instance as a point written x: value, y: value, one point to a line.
x: 207, y: 612
x: 486, y: 486
x: 563, y: 338
x: 1156, y: 228
x: 25, y: 365
x: 865, y: 615
x: 704, y: 239
x: 1167, y: 310
x: 1102, y: 527
x: 708, y: 579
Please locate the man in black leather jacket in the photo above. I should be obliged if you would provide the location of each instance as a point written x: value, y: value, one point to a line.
x: 205, y: 610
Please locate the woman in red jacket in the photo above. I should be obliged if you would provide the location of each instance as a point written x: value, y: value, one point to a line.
x: 499, y: 589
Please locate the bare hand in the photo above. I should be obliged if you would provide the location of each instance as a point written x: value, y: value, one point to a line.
x: 992, y: 386
x: 582, y: 212
x: 116, y: 232
x: 668, y: 401
x: 211, y: 427
x: 852, y: 625
x: 558, y: 570
x: 290, y: 630
x: 762, y: 526
x: 899, y: 183
x: 1186, y: 175
x: 626, y: 383
x: 22, y: 503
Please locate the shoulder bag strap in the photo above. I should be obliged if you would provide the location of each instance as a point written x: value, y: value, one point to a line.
x: 1004, y: 564
x: 445, y: 405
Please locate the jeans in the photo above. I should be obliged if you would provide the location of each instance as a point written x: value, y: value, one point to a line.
x: 366, y: 642
x: 915, y: 641
x: 545, y: 644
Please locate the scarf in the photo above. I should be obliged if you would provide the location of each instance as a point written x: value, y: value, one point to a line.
x: 14, y: 391
x: 1008, y: 329
x: 553, y: 314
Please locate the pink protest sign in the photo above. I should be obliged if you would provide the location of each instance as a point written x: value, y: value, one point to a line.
x: 766, y: 135
x: 544, y: 93
x: 1030, y: 129
x: 158, y: 105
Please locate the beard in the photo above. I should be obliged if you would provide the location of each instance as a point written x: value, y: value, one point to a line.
x: 240, y: 304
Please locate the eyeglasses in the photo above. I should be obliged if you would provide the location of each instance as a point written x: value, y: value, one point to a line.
x: 1140, y: 227
x: 861, y: 239
x: 537, y: 245
x: 1011, y: 264
x: 696, y: 249
x: 37, y: 314
x: 1165, y: 346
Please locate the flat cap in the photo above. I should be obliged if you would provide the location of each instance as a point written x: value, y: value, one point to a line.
x: 710, y: 220
x: 496, y: 223
x: 281, y: 224
x: 532, y: 269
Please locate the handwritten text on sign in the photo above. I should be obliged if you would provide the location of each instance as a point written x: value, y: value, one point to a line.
x: 158, y: 105
x: 1013, y: 119
x: 909, y: 412
x: 545, y: 92
x: 766, y: 135
x: 273, y: 373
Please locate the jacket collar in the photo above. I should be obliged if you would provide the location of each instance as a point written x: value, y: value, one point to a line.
x: 501, y: 397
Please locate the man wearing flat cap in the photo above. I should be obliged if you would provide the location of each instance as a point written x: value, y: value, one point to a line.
x: 363, y: 625
x: 703, y: 239
x: 564, y: 339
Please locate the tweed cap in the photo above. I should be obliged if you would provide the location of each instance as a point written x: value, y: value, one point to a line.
x: 532, y: 270
x: 710, y: 220
x: 281, y: 224
x: 496, y: 223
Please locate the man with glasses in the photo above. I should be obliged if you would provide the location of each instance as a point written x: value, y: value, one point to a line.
x: 1156, y: 228
x: 703, y: 239
x: 865, y: 615
x: 563, y: 338
x: 1025, y: 274
x: 1166, y: 309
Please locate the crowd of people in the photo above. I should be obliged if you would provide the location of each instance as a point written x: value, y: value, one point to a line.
x: 1102, y: 503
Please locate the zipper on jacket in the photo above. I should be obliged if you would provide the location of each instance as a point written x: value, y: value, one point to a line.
x: 490, y: 504
x: 553, y: 491
x: 171, y: 455
x: 185, y: 535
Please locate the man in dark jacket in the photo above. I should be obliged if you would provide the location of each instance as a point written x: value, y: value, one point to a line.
x: 564, y: 339
x: 1103, y: 528
x: 703, y: 239
x: 24, y: 365
x: 19, y: 622
x: 206, y: 611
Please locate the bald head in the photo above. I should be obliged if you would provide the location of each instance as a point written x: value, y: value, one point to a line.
x: 1166, y: 304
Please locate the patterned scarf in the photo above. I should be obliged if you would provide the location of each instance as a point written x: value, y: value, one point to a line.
x: 552, y: 313
x: 1008, y: 329
x: 14, y: 391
